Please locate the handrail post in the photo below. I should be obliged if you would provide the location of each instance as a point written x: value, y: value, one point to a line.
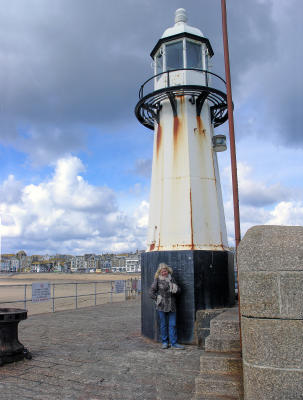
x: 25, y: 295
x: 54, y: 297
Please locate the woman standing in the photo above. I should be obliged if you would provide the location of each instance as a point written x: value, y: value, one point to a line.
x: 163, y: 291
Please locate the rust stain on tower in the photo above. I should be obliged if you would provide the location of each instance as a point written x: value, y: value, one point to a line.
x: 176, y: 132
x: 200, y: 126
x: 178, y: 128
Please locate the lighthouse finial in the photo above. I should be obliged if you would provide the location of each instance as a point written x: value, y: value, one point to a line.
x: 180, y: 15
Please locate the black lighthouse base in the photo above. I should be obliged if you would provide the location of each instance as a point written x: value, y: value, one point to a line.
x: 206, y: 279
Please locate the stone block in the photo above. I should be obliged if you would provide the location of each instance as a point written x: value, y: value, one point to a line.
x: 200, y: 337
x: 291, y: 294
x: 202, y: 324
x: 222, y: 345
x: 230, y: 364
x: 273, y: 343
x: 203, y: 317
x: 259, y: 293
x: 272, y: 248
x: 218, y: 385
x: 225, y: 329
x: 270, y: 262
x: 272, y: 294
x: 272, y: 384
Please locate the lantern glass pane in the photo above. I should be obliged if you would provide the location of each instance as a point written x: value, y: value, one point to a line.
x: 174, y: 55
x: 193, y: 55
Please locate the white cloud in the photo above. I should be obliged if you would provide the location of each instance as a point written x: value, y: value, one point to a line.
x: 261, y: 203
x: 143, y: 167
x: 287, y: 213
x: 141, y: 214
x: 67, y: 214
x: 256, y: 193
x: 10, y: 190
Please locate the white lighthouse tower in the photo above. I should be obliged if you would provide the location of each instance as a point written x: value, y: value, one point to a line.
x: 183, y: 103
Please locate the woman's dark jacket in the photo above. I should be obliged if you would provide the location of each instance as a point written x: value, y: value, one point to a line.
x: 161, y: 292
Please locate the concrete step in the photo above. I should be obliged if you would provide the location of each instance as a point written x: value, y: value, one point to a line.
x: 219, y: 344
x: 225, y: 328
x: 225, y: 363
x: 219, y: 385
x: 226, y: 324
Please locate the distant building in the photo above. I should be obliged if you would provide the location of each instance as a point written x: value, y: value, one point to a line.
x: 9, y: 263
x: 133, y: 265
x: 78, y: 264
x: 126, y: 262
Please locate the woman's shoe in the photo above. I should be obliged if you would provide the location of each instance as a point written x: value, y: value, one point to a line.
x: 164, y: 345
x: 177, y: 346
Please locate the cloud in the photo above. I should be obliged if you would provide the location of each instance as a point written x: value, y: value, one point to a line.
x: 261, y: 203
x: 143, y: 167
x: 45, y: 144
x: 141, y: 214
x: 10, y: 190
x: 272, y: 86
x: 287, y: 213
x: 67, y: 66
x: 256, y: 193
x: 67, y: 214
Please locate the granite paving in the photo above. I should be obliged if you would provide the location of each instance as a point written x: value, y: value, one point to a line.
x: 97, y: 353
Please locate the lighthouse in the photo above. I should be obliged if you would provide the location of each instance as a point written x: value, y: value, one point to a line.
x: 183, y: 103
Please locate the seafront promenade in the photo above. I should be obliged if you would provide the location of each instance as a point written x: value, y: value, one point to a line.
x: 97, y: 353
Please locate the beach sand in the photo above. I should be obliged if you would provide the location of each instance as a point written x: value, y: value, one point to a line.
x: 91, y: 289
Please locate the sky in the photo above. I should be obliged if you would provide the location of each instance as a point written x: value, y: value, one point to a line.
x: 76, y: 164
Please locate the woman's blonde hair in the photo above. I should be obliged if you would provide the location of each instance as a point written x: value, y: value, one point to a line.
x: 163, y: 266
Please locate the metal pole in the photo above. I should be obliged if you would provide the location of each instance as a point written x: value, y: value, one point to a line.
x: 76, y: 295
x: 25, y: 296
x: 232, y: 148
x: 231, y: 127
x: 53, y: 297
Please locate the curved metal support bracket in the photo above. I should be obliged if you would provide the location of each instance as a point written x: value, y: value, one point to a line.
x: 217, y: 113
x: 154, y: 110
x: 192, y: 100
x: 173, y: 103
x: 148, y: 108
x: 200, y: 101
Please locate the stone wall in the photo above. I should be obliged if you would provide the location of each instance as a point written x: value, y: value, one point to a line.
x: 270, y: 262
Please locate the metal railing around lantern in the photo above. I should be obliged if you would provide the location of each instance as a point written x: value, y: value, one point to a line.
x: 168, y: 80
x: 148, y: 107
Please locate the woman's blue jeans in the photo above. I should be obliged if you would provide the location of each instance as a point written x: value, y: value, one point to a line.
x: 168, y: 327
